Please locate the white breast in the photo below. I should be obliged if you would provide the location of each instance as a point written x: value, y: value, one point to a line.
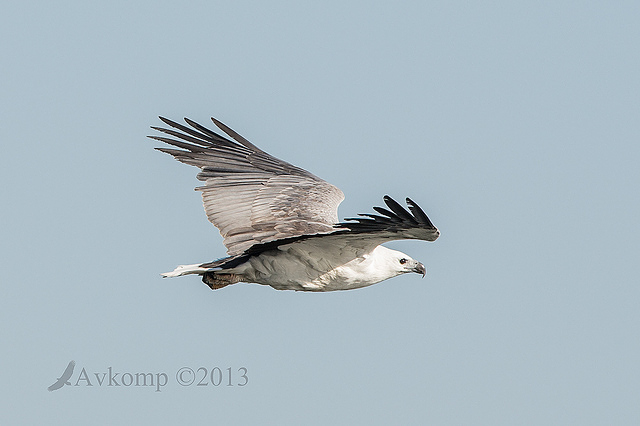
x: 296, y: 268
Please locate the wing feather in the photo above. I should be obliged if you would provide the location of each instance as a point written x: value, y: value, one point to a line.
x: 249, y: 195
x: 363, y: 234
x: 395, y: 224
x: 259, y: 202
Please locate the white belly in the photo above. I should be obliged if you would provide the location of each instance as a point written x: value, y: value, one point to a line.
x: 288, y: 270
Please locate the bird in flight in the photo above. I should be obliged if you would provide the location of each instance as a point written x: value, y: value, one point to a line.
x: 64, y: 379
x: 280, y: 223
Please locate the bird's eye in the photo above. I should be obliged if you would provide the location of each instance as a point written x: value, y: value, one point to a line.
x: 403, y: 261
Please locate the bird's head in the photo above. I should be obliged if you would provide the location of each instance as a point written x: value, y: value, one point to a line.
x: 402, y: 263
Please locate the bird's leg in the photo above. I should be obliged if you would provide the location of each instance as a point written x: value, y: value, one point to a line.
x: 216, y: 281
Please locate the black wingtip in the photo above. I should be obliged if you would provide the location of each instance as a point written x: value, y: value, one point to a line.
x: 235, y: 135
x: 166, y: 121
x: 418, y: 213
x: 399, y: 210
x: 397, y: 218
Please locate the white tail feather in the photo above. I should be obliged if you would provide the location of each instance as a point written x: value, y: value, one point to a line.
x: 185, y: 270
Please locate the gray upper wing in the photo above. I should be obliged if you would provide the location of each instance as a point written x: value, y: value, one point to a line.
x: 249, y: 195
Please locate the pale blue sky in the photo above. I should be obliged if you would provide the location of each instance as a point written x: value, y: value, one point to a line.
x: 515, y: 125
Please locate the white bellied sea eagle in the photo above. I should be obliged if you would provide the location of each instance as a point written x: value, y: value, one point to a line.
x: 280, y: 222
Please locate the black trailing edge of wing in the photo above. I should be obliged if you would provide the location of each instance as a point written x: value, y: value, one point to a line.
x: 394, y: 219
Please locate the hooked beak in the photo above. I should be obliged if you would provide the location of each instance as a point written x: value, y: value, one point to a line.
x: 420, y: 269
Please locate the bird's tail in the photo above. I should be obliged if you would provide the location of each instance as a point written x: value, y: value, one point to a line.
x: 186, y: 270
